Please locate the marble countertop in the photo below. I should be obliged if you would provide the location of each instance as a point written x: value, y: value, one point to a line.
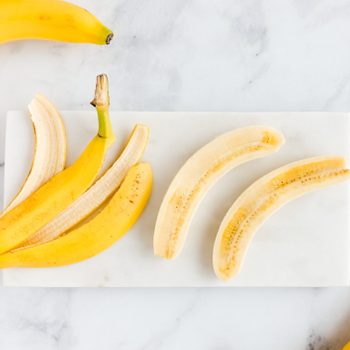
x: 251, y: 55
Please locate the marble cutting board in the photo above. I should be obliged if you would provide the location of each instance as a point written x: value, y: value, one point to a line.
x: 306, y: 243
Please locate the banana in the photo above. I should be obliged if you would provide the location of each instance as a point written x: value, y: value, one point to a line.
x: 50, y: 148
x: 262, y: 199
x: 347, y: 346
x: 50, y: 20
x: 97, y: 193
x: 108, y: 226
x: 198, y: 174
x: 64, y: 188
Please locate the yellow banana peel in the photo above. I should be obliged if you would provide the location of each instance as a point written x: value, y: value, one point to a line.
x: 64, y: 188
x: 108, y: 226
x: 49, y: 151
x: 259, y: 201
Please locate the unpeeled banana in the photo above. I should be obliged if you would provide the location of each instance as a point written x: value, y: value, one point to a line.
x: 198, y: 174
x: 262, y: 199
x: 64, y: 188
x: 50, y: 20
x: 108, y: 226
x: 50, y: 148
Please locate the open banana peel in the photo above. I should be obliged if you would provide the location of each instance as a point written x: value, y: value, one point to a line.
x: 51, y: 213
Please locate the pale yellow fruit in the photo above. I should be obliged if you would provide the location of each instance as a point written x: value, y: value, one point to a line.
x: 201, y: 171
x: 257, y: 203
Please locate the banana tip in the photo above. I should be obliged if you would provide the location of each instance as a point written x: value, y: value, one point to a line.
x: 109, y: 38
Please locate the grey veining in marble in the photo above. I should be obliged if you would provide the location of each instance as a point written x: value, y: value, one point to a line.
x: 239, y: 55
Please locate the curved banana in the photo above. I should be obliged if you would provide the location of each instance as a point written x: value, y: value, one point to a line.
x: 50, y: 148
x: 198, y: 174
x: 262, y: 199
x: 64, y: 188
x: 50, y: 20
x: 97, y: 193
x: 101, y: 232
x: 347, y: 346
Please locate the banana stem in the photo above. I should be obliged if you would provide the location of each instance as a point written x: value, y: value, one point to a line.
x: 101, y: 102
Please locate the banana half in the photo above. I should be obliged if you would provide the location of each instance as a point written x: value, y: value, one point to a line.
x: 50, y: 148
x: 198, y: 174
x: 256, y: 204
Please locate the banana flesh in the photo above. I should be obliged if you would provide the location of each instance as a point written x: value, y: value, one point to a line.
x: 198, y: 174
x: 50, y: 148
x: 256, y: 204
x: 108, y: 226
x: 50, y: 20
x: 97, y: 194
x: 64, y: 188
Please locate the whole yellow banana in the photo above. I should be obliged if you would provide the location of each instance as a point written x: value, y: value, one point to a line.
x: 50, y: 20
x: 102, y: 231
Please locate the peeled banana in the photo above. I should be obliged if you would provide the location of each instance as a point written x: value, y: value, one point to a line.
x: 98, y: 234
x: 97, y: 193
x: 262, y: 199
x: 64, y: 188
x: 198, y: 174
x: 50, y: 20
x: 50, y: 148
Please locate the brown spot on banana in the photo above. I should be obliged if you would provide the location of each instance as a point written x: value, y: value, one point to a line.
x: 201, y: 171
x: 257, y: 203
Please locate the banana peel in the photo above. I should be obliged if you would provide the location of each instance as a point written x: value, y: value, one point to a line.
x: 97, y: 194
x: 64, y: 188
x: 101, y: 232
x: 50, y: 148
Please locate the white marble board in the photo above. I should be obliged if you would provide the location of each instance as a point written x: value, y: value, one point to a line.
x: 306, y: 243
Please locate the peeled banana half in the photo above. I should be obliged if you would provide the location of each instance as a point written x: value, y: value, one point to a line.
x: 50, y: 148
x: 108, y: 226
x: 50, y: 20
x: 198, y: 174
x: 98, y: 193
x: 262, y: 199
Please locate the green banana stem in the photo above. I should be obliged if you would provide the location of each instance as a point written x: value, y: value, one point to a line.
x: 101, y: 102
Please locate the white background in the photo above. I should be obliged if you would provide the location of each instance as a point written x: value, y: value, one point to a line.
x: 265, y: 55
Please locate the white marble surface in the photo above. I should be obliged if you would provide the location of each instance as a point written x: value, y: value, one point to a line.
x: 251, y: 55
